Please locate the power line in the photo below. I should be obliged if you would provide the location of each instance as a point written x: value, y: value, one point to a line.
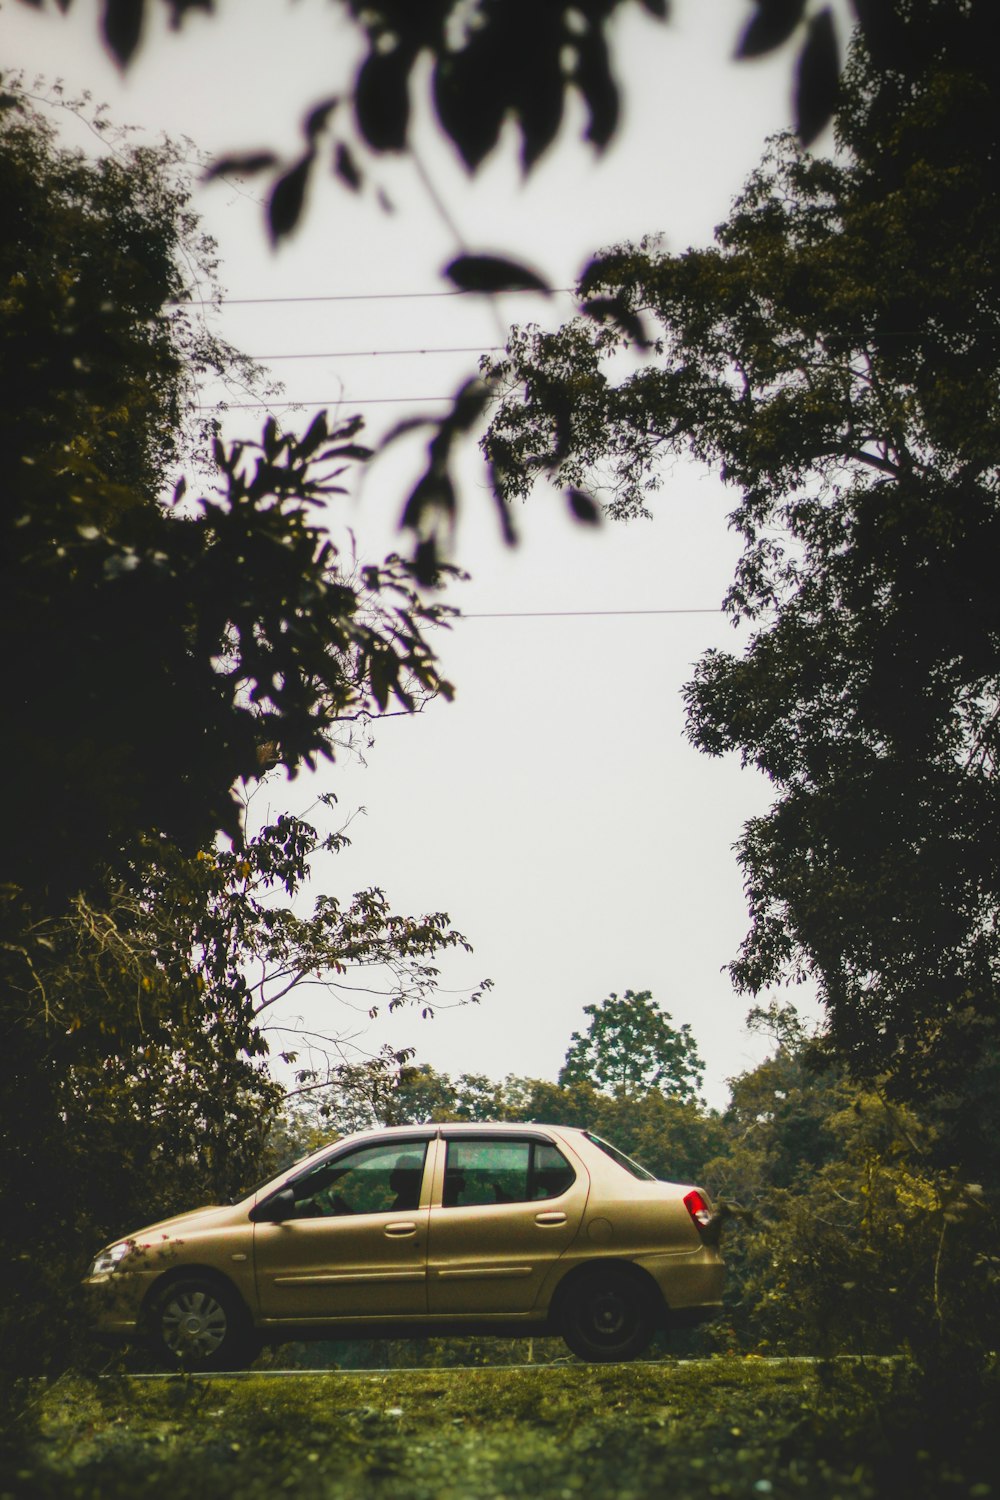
x: 551, y: 291
x: 327, y: 401
x: 373, y: 296
x: 559, y: 614
x: 379, y: 353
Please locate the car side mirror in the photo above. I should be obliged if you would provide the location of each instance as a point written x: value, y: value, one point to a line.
x: 274, y: 1210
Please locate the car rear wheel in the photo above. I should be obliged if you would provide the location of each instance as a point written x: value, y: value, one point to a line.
x: 607, y: 1315
x: 201, y: 1324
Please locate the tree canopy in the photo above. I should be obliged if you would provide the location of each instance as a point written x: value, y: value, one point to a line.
x: 493, y: 64
x: 161, y: 653
x: 158, y: 649
x: 834, y: 357
x: 139, y: 1023
x: 631, y: 1046
x: 493, y: 72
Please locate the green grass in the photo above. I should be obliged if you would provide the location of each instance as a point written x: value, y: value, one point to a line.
x: 725, y: 1427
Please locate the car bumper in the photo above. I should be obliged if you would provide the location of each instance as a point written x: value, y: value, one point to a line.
x: 113, y: 1302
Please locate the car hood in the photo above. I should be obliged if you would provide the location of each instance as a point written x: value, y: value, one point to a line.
x: 199, y: 1218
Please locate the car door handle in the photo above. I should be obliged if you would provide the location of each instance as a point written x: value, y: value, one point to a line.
x: 552, y: 1216
x: 400, y: 1229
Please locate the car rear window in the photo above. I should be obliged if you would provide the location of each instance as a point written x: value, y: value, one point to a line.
x: 487, y: 1171
x: 632, y: 1167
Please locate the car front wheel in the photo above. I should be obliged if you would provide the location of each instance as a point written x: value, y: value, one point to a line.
x: 607, y: 1315
x: 202, y: 1325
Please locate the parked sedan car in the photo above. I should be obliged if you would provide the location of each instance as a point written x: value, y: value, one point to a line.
x: 418, y: 1230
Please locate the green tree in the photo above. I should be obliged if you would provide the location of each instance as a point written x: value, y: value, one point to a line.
x: 138, y: 1032
x: 631, y: 1046
x: 856, y: 1241
x: 157, y: 651
x: 674, y: 1138
x: 834, y: 356
x: 391, y: 1089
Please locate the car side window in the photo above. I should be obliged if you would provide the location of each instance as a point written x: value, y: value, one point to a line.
x: 551, y: 1173
x: 479, y: 1172
x: 371, y: 1180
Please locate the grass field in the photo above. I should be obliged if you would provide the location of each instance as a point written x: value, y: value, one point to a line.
x: 723, y: 1427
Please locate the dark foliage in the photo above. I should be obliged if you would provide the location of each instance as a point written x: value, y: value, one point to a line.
x: 517, y: 63
x: 835, y: 357
x: 156, y: 652
x: 137, y: 1026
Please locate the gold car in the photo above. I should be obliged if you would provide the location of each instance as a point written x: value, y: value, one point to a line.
x: 418, y: 1230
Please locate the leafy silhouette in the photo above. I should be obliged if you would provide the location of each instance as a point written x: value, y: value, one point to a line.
x: 592, y: 76
x: 245, y: 165
x: 469, y: 101
x: 616, y: 310
x: 347, y: 168
x: 772, y: 25
x: 493, y: 273
x: 122, y: 27
x: 583, y: 507
x: 382, y: 99
x: 287, y: 197
x: 817, y: 79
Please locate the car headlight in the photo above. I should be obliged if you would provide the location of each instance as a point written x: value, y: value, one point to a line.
x: 109, y: 1259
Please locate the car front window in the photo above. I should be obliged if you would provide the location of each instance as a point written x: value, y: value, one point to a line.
x: 384, y: 1178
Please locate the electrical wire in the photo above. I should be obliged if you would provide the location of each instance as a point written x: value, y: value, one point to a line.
x: 327, y: 401
x: 379, y: 353
x: 560, y: 614
x: 377, y: 296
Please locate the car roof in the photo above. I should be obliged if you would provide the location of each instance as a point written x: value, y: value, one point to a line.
x: 434, y: 1128
x: 459, y: 1127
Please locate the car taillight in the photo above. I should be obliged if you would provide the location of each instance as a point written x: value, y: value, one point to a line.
x: 698, y: 1208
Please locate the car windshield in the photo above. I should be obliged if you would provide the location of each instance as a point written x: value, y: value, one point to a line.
x: 258, y: 1187
x: 632, y: 1167
x: 252, y: 1191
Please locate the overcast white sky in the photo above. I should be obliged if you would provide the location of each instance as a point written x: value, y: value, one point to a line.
x: 554, y: 809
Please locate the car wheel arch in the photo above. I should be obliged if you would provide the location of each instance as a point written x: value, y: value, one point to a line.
x: 617, y: 1266
x: 194, y: 1271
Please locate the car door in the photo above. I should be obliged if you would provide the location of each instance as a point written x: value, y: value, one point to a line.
x: 354, y: 1243
x: 505, y: 1209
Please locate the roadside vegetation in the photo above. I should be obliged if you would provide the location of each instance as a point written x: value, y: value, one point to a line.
x: 725, y: 1427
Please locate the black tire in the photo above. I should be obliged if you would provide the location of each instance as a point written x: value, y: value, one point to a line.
x: 198, y: 1323
x: 607, y: 1316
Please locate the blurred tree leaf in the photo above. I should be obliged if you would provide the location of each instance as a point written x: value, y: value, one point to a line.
x: 347, y: 168
x: 493, y: 273
x: 284, y: 206
x: 381, y: 99
x: 582, y: 507
x: 247, y: 165
x: 469, y: 102
x: 122, y: 27
x: 772, y: 24
x: 817, y: 78
x: 617, y: 311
